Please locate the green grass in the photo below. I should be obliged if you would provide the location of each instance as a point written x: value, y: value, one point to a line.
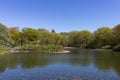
x: 42, y: 48
x: 4, y: 52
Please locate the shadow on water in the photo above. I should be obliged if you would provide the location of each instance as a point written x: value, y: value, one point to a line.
x: 101, y: 60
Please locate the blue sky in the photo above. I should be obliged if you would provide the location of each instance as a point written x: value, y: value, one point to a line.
x: 61, y: 15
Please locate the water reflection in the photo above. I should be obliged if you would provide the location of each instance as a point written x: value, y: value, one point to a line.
x: 101, y: 60
x: 107, y: 60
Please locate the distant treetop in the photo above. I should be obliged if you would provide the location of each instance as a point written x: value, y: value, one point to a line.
x: 53, y: 31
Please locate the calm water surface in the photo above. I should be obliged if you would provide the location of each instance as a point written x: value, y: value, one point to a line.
x: 78, y: 65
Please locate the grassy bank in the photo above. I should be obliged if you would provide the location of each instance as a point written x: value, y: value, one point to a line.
x: 4, y: 50
x: 40, y: 48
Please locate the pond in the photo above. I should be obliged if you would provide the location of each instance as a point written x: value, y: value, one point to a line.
x: 80, y: 64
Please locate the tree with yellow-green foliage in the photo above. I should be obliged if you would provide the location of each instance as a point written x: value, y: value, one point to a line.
x: 102, y: 37
x: 5, y: 39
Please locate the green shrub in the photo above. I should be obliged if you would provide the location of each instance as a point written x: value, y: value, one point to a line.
x: 4, y: 50
x: 42, y: 48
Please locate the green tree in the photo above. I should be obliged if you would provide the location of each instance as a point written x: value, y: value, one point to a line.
x: 102, y: 37
x: 15, y: 34
x: 74, y: 38
x: 116, y: 30
x: 45, y: 37
x: 80, y: 38
x: 5, y: 39
x: 42, y: 30
x: 85, y: 38
x: 32, y: 35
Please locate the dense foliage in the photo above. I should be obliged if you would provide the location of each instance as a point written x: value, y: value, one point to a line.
x: 44, y: 40
x: 5, y: 39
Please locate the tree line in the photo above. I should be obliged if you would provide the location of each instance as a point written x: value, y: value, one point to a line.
x: 103, y: 37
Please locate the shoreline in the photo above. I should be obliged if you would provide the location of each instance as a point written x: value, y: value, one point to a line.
x: 64, y: 51
x: 19, y: 51
x: 102, y: 49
